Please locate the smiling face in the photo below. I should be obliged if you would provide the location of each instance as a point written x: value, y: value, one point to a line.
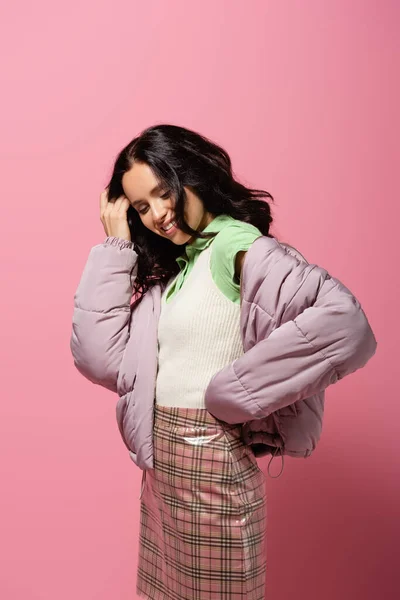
x: 156, y: 207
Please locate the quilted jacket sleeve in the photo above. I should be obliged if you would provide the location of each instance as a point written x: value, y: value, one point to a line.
x: 315, y: 348
x: 102, y: 311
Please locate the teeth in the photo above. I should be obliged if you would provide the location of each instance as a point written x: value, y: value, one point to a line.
x: 169, y: 226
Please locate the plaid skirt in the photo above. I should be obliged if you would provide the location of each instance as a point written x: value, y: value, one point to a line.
x: 202, y: 513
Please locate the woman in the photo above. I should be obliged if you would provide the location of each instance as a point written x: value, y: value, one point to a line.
x: 173, y: 199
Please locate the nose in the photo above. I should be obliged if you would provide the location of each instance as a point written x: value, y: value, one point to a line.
x: 159, y: 212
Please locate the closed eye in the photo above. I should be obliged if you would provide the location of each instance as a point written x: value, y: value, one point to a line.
x: 164, y: 196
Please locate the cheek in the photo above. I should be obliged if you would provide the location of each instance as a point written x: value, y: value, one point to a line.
x: 148, y: 222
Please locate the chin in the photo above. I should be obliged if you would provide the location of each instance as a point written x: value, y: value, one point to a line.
x: 181, y: 242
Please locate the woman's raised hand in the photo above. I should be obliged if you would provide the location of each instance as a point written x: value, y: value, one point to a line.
x: 113, y: 215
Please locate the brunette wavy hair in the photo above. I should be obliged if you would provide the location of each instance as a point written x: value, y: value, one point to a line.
x: 180, y: 157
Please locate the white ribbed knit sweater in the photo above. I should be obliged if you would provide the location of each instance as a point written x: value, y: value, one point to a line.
x: 198, y: 334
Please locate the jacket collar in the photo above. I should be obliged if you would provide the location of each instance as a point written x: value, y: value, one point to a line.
x: 217, y: 224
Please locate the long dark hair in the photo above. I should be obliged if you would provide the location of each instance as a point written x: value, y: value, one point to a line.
x: 180, y: 157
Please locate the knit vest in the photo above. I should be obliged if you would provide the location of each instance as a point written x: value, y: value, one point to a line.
x: 198, y: 335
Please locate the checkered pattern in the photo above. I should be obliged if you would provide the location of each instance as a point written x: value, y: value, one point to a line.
x: 203, y: 512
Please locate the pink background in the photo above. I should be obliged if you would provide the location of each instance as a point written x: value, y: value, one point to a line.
x: 305, y: 97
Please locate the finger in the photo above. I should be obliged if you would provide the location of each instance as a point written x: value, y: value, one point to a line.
x: 117, y: 203
x: 123, y: 205
x: 103, y: 200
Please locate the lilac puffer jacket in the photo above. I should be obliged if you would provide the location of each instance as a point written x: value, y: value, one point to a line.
x: 301, y: 329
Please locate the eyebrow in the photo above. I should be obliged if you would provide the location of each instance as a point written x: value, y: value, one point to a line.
x: 155, y: 190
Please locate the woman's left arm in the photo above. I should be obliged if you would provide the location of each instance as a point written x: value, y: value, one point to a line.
x: 302, y: 357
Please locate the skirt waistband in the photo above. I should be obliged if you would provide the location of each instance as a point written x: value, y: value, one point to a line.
x: 178, y: 416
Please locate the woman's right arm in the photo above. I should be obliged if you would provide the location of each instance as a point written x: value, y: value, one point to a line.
x: 102, y: 311
x: 102, y: 302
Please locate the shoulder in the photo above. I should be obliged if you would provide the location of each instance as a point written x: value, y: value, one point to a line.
x: 237, y: 228
x: 235, y: 237
x: 230, y: 246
